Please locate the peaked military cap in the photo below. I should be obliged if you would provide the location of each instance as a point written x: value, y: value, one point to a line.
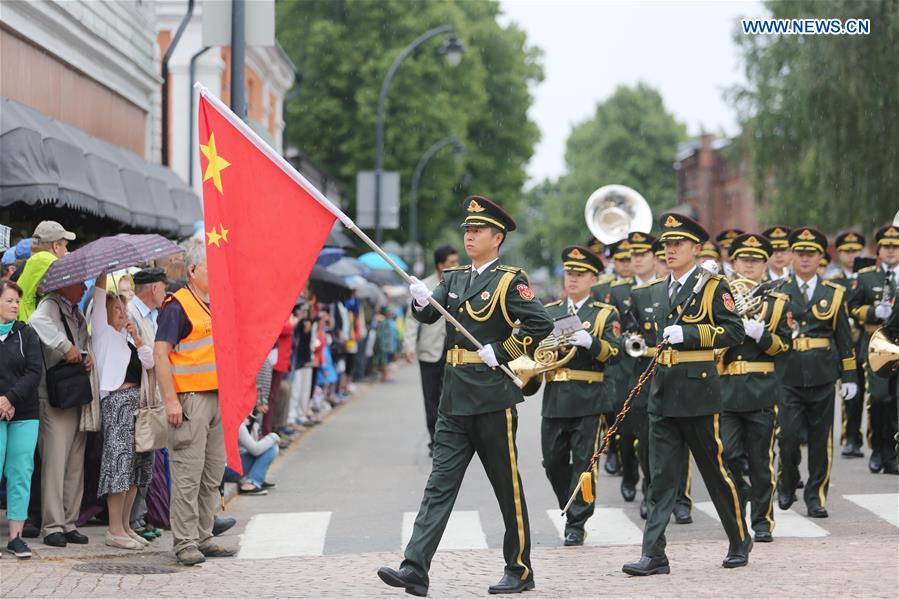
x: 825, y: 259
x: 808, y: 238
x: 620, y: 250
x: 779, y: 236
x: 640, y: 242
x: 658, y: 248
x: 581, y: 259
x: 849, y: 241
x: 149, y: 275
x: 595, y: 245
x: 484, y: 212
x: 887, y: 235
x: 677, y: 226
x: 751, y: 245
x: 727, y: 236
x: 710, y: 250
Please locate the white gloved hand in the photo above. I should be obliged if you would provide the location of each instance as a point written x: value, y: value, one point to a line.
x: 420, y: 293
x: 488, y: 357
x: 581, y: 339
x: 848, y: 391
x: 674, y: 334
x: 754, y: 328
x: 883, y: 311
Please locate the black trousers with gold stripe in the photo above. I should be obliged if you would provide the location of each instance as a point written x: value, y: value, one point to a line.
x: 568, y: 444
x: 669, y: 441
x: 636, y: 426
x: 751, y: 434
x: 456, y: 440
x: 811, y: 408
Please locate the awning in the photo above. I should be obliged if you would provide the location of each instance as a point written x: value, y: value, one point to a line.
x: 44, y: 161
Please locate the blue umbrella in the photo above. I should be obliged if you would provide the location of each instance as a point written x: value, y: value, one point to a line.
x: 376, y: 262
x: 329, y: 256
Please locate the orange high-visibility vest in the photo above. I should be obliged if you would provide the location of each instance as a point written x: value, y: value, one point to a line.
x: 193, y: 359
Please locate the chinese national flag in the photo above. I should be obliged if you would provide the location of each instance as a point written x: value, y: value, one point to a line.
x: 264, y: 230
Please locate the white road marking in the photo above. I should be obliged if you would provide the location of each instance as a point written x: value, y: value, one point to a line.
x: 463, y: 531
x: 284, y: 535
x: 607, y: 526
x: 786, y: 523
x: 882, y: 505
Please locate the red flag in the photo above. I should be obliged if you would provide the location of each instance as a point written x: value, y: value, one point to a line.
x: 265, y: 226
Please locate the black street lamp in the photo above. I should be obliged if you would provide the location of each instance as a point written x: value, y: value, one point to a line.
x: 452, y: 49
x: 458, y: 150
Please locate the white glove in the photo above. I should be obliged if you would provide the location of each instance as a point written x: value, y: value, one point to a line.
x: 674, y: 334
x: 420, y: 293
x: 582, y: 339
x: 883, y: 311
x: 488, y: 356
x: 848, y: 391
x: 754, y: 328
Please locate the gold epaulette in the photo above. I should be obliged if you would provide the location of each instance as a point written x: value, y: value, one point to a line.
x: 551, y: 304
x: 657, y: 281
x: 872, y: 268
x: 642, y: 286
x: 620, y: 282
x: 779, y: 295
x: 505, y: 268
x: 595, y: 304
x: 453, y: 268
x: 834, y: 285
x: 603, y: 279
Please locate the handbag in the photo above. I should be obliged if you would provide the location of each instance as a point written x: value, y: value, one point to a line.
x: 68, y: 385
x: 151, y: 428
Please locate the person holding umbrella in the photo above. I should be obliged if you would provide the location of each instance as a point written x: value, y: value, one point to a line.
x: 122, y: 356
x: 49, y: 243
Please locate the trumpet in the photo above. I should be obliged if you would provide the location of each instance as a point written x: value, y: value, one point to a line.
x: 634, y: 345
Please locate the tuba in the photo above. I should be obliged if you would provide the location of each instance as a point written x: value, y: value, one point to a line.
x: 883, y: 353
x: 613, y: 211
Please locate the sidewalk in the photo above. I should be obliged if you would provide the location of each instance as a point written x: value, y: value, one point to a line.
x: 857, y: 566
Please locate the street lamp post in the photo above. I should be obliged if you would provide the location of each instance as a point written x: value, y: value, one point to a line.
x: 453, y: 50
x: 458, y: 149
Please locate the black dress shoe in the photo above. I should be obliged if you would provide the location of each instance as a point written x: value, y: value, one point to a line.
x: 800, y: 484
x: 739, y: 556
x: 816, y: 511
x: 853, y: 451
x: 647, y: 566
x: 220, y: 525
x: 644, y: 510
x: 785, y: 500
x: 763, y: 536
x: 875, y: 463
x: 575, y: 538
x: 682, y: 517
x: 509, y: 584
x: 612, y: 466
x: 404, y: 578
x: 890, y: 467
x: 30, y: 531
x: 55, y: 539
x: 628, y: 492
x: 75, y: 537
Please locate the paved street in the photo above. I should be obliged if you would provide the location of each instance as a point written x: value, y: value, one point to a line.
x: 348, y: 491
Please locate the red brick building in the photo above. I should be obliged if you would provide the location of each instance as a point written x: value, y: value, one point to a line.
x: 714, y: 181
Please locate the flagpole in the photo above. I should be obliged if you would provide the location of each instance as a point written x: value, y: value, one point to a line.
x: 290, y: 171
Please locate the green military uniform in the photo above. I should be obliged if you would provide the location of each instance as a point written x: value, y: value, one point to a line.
x: 822, y: 353
x: 873, y: 285
x: 477, y: 413
x: 851, y: 433
x: 575, y: 396
x: 749, y: 392
x: 685, y: 397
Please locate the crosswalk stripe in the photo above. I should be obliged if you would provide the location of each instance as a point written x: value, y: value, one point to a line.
x: 463, y: 531
x: 284, y: 535
x: 607, y: 526
x: 787, y: 523
x: 882, y: 505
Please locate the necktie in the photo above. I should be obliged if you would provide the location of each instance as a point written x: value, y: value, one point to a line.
x: 571, y: 309
x: 804, y: 289
x: 473, y: 277
x: 675, y: 287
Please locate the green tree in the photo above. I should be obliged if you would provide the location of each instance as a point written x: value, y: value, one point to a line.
x: 820, y: 114
x: 631, y: 139
x: 345, y: 49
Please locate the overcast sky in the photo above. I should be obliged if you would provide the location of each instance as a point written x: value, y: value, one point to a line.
x: 684, y: 49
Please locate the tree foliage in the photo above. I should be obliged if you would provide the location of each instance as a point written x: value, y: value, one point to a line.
x: 631, y: 139
x: 821, y: 113
x: 345, y: 49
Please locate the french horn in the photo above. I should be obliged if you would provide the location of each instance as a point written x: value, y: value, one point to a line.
x: 883, y: 353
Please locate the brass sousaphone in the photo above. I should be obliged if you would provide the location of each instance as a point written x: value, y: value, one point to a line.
x: 883, y: 352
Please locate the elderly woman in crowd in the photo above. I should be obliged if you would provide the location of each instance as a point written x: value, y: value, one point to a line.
x: 21, y: 367
x: 121, y: 358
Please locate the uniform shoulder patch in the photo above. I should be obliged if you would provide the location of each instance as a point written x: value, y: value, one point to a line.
x: 779, y: 295
x: 555, y: 303
x: 601, y: 305
x: 455, y: 268
x: 872, y: 268
x: 525, y: 292
x: 658, y: 281
x: 621, y: 282
x: 835, y: 285
x: 643, y: 286
x: 604, y: 279
x: 505, y: 268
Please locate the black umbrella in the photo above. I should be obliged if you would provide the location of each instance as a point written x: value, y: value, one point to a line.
x: 383, y: 277
x: 327, y: 286
x: 104, y: 255
x: 347, y: 267
x: 338, y: 239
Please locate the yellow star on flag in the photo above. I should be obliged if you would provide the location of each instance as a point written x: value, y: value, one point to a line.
x: 214, y: 238
x: 224, y: 232
x: 216, y: 164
